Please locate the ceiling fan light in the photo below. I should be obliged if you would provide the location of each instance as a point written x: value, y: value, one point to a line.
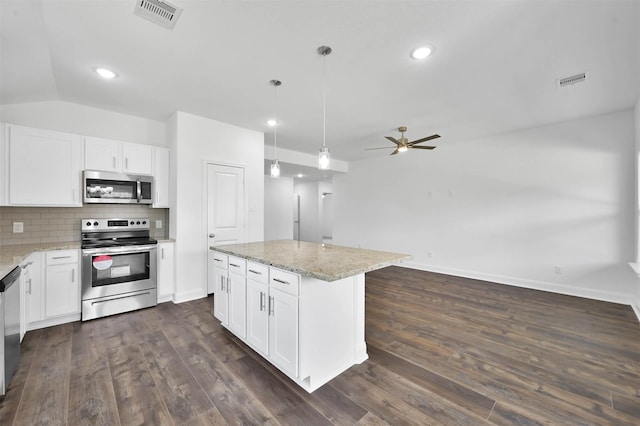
x: 402, y: 148
x: 272, y: 122
x: 324, y: 158
x: 275, y: 169
x: 422, y: 52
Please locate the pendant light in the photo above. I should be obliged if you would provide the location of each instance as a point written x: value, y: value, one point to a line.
x: 275, y: 164
x: 324, y: 158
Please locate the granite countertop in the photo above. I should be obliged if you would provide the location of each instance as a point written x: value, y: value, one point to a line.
x: 11, y: 256
x: 325, y: 262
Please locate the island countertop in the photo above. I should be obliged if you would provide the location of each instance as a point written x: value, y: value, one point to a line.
x: 325, y: 262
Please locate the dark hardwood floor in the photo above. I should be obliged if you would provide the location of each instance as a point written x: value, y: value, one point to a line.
x: 443, y: 350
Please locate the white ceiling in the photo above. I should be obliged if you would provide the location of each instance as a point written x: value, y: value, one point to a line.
x: 494, y: 68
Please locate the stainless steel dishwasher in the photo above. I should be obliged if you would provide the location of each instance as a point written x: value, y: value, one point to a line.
x: 10, y: 326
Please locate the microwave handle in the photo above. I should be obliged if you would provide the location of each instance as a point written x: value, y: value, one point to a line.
x: 139, y: 190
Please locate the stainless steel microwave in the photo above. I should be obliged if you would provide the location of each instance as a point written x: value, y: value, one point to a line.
x: 117, y: 188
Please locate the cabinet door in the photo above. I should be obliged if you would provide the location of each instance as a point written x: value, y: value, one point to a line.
x: 4, y: 167
x: 237, y: 304
x: 283, y: 331
x: 166, y: 278
x: 102, y: 154
x: 220, y: 300
x: 62, y: 291
x: 31, y: 292
x: 161, y: 177
x: 257, y: 316
x: 136, y: 158
x: 44, y: 167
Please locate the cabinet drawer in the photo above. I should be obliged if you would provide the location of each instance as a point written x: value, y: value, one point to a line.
x: 220, y: 260
x: 258, y: 272
x: 284, y: 281
x: 237, y: 265
x: 62, y: 256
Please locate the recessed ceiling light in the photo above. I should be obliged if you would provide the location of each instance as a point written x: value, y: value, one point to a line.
x: 422, y: 52
x: 272, y: 122
x: 105, y: 73
x: 300, y: 175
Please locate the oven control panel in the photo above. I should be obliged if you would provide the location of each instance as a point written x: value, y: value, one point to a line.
x: 114, y: 224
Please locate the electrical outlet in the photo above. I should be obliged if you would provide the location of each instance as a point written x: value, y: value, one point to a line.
x: 18, y: 227
x: 557, y: 269
x: 158, y: 224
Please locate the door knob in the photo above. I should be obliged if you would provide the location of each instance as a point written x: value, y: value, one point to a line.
x: 212, y: 235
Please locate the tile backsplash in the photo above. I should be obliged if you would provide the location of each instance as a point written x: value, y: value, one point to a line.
x: 62, y: 224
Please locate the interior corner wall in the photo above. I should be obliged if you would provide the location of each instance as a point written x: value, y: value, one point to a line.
x: 198, y: 140
x: 636, y: 304
x: 84, y: 120
x: 278, y: 208
x: 549, y: 208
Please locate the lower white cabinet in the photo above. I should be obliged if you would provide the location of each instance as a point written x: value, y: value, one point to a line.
x: 283, y: 331
x: 62, y: 283
x: 31, y: 300
x: 230, y: 296
x: 166, y: 271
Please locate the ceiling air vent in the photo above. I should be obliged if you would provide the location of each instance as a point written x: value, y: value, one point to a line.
x: 158, y: 11
x: 568, y: 81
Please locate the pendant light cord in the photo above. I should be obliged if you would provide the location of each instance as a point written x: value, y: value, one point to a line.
x: 324, y: 100
x: 275, y: 129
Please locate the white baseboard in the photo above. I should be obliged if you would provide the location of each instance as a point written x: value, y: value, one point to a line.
x: 525, y: 283
x: 188, y: 296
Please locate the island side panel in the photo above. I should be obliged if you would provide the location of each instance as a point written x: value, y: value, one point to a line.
x: 329, y: 342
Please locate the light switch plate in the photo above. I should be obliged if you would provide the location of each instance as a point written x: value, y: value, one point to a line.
x: 158, y: 224
x: 18, y: 227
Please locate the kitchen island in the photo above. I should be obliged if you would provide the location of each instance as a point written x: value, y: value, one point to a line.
x: 298, y: 304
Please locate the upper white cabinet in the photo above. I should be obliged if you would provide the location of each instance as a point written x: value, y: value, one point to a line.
x: 161, y: 176
x: 44, y: 167
x: 116, y: 156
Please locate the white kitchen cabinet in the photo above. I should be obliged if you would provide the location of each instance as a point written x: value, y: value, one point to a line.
x: 31, y: 300
x: 283, y: 331
x: 230, y: 296
x: 161, y: 175
x: 166, y: 271
x: 62, y: 283
x: 44, y: 167
x: 258, y: 316
x: 116, y: 156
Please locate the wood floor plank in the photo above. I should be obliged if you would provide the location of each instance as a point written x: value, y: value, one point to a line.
x: 139, y: 401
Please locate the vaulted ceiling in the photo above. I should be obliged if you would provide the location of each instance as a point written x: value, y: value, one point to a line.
x: 494, y: 69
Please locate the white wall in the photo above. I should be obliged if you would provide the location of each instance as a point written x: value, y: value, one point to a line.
x: 79, y: 119
x: 549, y: 208
x: 196, y: 140
x: 278, y: 208
x: 636, y: 305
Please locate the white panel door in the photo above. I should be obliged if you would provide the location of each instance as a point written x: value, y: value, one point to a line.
x: 257, y: 316
x: 225, y: 198
x: 283, y: 331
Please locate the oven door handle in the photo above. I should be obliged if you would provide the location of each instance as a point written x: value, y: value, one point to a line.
x: 120, y: 250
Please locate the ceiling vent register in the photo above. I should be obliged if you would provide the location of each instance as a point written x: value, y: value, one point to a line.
x: 158, y: 11
x: 568, y: 81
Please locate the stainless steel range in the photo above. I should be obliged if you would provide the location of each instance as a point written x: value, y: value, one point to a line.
x: 118, y: 267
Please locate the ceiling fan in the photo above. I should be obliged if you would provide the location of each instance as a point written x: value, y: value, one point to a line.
x: 403, y: 144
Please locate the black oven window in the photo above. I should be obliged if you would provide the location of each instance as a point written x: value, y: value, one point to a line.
x: 119, y: 268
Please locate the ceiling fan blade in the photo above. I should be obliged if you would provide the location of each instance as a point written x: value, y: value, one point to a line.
x: 422, y: 147
x: 428, y: 138
x: 394, y: 140
x: 394, y: 152
x: 381, y: 147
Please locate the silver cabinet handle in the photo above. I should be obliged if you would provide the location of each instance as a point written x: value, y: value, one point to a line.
x: 261, y: 301
x: 281, y: 281
x: 212, y: 235
x: 228, y: 286
x: 221, y: 283
x: 26, y: 265
x: 114, y: 161
x: 218, y: 260
x: 29, y: 285
x: 126, y: 163
x: 73, y: 275
x: 162, y: 253
x: 271, y: 305
x: 255, y: 272
x: 234, y: 265
x: 61, y: 257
